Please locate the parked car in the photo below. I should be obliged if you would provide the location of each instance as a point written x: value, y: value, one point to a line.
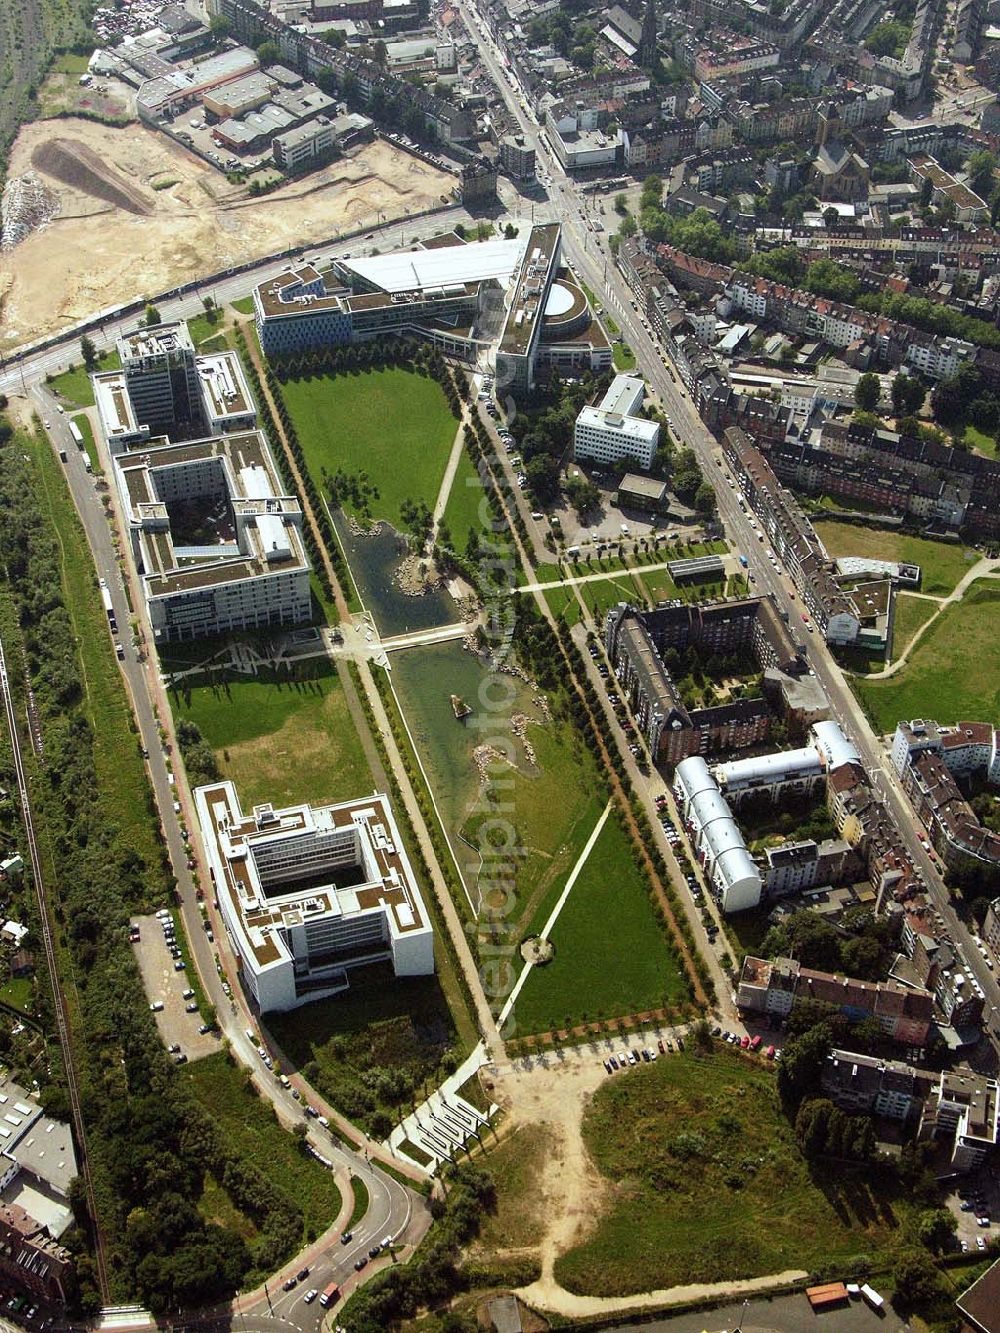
x: 191, y: 1008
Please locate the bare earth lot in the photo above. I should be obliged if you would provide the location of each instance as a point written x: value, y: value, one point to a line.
x: 94, y: 254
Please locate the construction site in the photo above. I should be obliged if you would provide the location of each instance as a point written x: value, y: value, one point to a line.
x: 94, y: 215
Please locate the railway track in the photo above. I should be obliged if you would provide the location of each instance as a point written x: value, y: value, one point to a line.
x: 62, y: 1024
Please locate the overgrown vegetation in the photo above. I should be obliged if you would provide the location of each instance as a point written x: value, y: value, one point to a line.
x: 149, y: 1142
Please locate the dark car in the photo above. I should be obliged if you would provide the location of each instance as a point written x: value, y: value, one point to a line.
x: 180, y: 1059
x: 375, y: 1251
x: 205, y: 1029
x: 302, y: 1274
x: 360, y: 1263
x: 347, y: 1237
x: 289, y: 1283
x: 191, y: 1008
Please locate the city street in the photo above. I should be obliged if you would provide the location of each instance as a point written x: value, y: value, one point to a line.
x: 394, y: 1210
x: 588, y: 254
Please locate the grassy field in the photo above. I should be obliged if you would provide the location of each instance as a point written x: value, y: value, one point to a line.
x: 462, y: 511
x: 516, y: 1165
x: 953, y: 673
x: 392, y: 424
x: 121, y: 772
x: 707, y: 1184
x: 250, y: 1127
x: 942, y: 563
x: 82, y: 423
x: 202, y: 327
x: 610, y: 954
x: 30, y: 33
x: 980, y: 442
x: 911, y: 613
x: 623, y: 356
x: 17, y: 991
x: 281, y: 739
x: 243, y: 305
x: 366, y: 1050
x: 74, y: 385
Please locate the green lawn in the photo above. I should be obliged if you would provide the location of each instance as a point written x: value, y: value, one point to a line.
x: 392, y: 424
x: 942, y: 563
x: 243, y: 306
x: 367, y: 1050
x: 249, y: 1126
x: 82, y: 423
x: 17, y: 991
x: 623, y: 356
x: 281, y: 739
x: 549, y: 803
x: 980, y: 441
x: 911, y: 613
x: 74, y: 385
x: 121, y: 773
x: 465, y: 499
x: 202, y: 327
x: 611, y: 956
x: 952, y: 674
x: 706, y: 1184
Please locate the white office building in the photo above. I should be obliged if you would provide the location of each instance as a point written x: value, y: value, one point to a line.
x: 309, y: 893
x: 217, y: 544
x: 612, y: 432
x: 717, y: 839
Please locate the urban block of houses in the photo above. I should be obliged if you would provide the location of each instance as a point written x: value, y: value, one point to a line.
x: 707, y: 798
x: 929, y: 759
x: 310, y: 892
x: 960, y: 1108
x: 903, y: 1013
x: 636, y: 640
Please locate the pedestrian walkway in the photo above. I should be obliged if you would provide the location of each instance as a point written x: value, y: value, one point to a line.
x: 574, y: 580
x: 442, y: 1125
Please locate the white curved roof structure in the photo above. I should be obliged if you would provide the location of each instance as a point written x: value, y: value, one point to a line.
x: 834, y: 745
x: 762, y: 769
x: 717, y: 836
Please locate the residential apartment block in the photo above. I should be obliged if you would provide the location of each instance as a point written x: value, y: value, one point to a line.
x: 929, y: 759
x: 871, y: 1085
x: 903, y: 1013
x: 635, y: 641
x: 309, y: 893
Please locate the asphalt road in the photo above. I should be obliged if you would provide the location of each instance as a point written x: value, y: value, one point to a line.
x: 393, y: 1210
x: 587, y: 252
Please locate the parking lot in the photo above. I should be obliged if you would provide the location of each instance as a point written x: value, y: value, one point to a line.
x: 974, y: 1204
x: 165, y: 986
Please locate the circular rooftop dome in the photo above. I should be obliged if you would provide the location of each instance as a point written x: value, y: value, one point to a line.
x: 560, y: 301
